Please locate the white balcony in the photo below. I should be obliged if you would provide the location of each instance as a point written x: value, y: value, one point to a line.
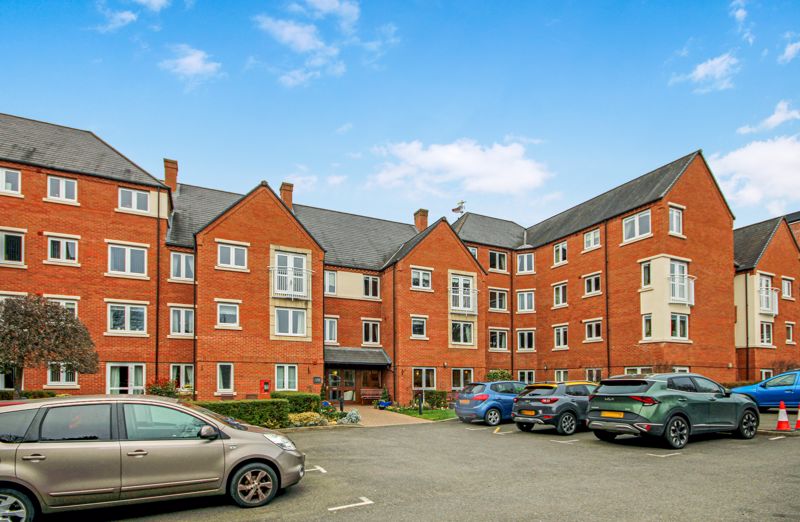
x: 681, y: 289
x: 291, y: 283
x: 464, y: 301
x: 768, y: 300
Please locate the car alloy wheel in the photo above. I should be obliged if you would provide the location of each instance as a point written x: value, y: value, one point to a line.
x: 677, y: 433
x: 748, y: 425
x: 493, y: 417
x: 567, y: 423
x: 254, y: 485
x: 14, y: 507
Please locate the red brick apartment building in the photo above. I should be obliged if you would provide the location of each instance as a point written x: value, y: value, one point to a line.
x: 221, y: 291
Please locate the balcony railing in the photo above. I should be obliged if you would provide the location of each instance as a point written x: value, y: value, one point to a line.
x: 768, y: 300
x: 681, y: 289
x: 291, y: 283
x: 464, y: 301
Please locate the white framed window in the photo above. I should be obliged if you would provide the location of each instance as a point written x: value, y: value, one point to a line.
x: 473, y: 251
x: 285, y: 377
x: 127, y: 260
x: 647, y: 326
x: 290, y: 321
x: 419, y: 328
x: 497, y: 261
x: 127, y: 318
x: 461, y: 293
x: 181, y: 321
x: 290, y: 275
x: 638, y: 370
x: 679, y: 326
x: 525, y: 263
x: 330, y: 282
x: 766, y: 373
x: 62, y: 189
x: 786, y: 288
x: 594, y: 330
x: 560, y: 253
x: 765, y: 333
x: 182, y: 266
x: 7, y: 379
x: 183, y: 375
x: 232, y: 256
x: 591, y: 285
x: 371, y: 332
x: 10, y: 181
x: 680, y: 369
x: 526, y: 340
x: 423, y: 378
x: 461, y: 332
x: 372, y: 287
x: 789, y: 332
x: 498, y: 340
x: 766, y: 296
x: 331, y: 330
x: 62, y: 250
x: 594, y: 374
x: 560, y: 295
x: 59, y: 374
x: 675, y: 221
x: 525, y: 301
x: 636, y: 226
x: 125, y: 378
x: 228, y: 315
x: 526, y: 376
x: 646, y: 275
x: 460, y: 377
x: 591, y: 239
x: 225, y: 378
x: 420, y: 279
x: 136, y: 200
x: 69, y: 304
x: 498, y: 300
x: 13, y: 247
x: 561, y: 375
x: 678, y: 281
x: 560, y: 337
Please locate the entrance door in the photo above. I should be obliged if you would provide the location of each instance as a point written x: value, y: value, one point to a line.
x: 342, y: 383
x: 125, y: 378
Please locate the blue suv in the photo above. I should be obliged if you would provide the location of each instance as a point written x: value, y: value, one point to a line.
x: 490, y: 402
x: 770, y: 392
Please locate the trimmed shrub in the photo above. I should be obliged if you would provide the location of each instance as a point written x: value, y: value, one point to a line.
x: 498, y: 375
x: 299, y: 402
x: 352, y: 417
x: 435, y: 399
x: 308, y: 418
x: 271, y: 413
x: 163, y: 388
x: 7, y: 395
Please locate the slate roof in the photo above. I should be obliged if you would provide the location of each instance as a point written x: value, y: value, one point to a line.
x: 193, y: 208
x: 487, y: 230
x: 750, y: 242
x: 409, y: 245
x: 354, y: 241
x: 356, y: 356
x: 793, y: 217
x: 42, y: 144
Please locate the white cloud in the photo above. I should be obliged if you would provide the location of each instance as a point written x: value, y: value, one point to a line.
x: 297, y: 77
x: 344, y: 128
x: 302, y: 181
x: 345, y: 10
x: 461, y: 165
x: 153, y: 5
x: 761, y: 173
x: 385, y: 37
x: 335, y: 181
x: 792, y: 49
x: 715, y: 74
x: 191, y: 65
x: 738, y: 12
x: 781, y: 115
x: 518, y: 138
x: 114, y: 19
x: 301, y: 38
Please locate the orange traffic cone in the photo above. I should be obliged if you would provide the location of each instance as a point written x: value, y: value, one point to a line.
x: 797, y: 424
x: 783, y: 419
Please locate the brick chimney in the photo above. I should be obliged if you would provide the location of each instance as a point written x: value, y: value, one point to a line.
x: 286, y: 193
x: 171, y: 173
x: 421, y: 219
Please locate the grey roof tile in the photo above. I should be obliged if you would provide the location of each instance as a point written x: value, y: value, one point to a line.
x: 56, y: 147
x: 793, y: 217
x: 409, y: 245
x: 750, y: 242
x: 356, y: 356
x: 194, y: 208
x: 487, y: 230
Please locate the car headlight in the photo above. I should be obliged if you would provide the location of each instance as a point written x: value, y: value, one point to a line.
x: 281, y: 441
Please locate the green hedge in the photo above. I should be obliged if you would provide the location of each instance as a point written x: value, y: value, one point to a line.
x: 272, y: 413
x: 299, y: 402
x: 7, y: 395
x: 436, y: 398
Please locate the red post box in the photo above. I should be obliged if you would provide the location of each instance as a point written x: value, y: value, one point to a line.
x: 263, y: 389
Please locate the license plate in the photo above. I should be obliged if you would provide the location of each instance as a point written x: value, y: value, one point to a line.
x: 527, y: 412
x: 464, y: 401
x: 612, y: 414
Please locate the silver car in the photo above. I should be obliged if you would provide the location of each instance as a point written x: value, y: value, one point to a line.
x: 86, y: 452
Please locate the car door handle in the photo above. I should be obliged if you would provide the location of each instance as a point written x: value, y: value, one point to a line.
x: 35, y: 457
x: 681, y: 399
x: 137, y: 453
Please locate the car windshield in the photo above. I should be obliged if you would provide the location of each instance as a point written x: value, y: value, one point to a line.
x: 228, y: 421
x: 539, y: 391
x: 473, y: 388
x: 623, y: 386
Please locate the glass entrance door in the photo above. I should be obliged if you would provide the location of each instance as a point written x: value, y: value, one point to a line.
x: 342, y: 383
x: 125, y: 379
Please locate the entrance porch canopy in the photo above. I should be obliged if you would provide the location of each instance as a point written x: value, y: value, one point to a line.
x: 344, y: 356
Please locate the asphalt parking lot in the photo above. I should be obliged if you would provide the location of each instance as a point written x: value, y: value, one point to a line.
x: 452, y: 471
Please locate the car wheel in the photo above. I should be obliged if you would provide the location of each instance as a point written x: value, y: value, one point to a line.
x: 493, y: 417
x: 676, y: 434
x: 606, y: 436
x: 254, y: 485
x: 15, y: 506
x: 748, y: 425
x: 522, y: 426
x: 567, y: 423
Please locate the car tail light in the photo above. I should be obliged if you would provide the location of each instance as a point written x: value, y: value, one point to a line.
x: 549, y: 400
x: 647, y: 401
x: 516, y: 399
x: 592, y: 396
x: 480, y: 398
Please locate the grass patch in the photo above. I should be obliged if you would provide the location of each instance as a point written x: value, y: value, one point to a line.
x: 433, y: 415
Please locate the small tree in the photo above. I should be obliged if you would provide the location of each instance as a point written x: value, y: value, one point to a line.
x: 498, y: 375
x: 35, y: 332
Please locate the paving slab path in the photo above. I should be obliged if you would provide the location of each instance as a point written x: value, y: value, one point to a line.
x: 373, y: 417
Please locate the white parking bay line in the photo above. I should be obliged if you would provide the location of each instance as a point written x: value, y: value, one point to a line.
x: 663, y: 456
x: 568, y: 441
x: 778, y: 438
x: 476, y: 429
x: 317, y: 468
x: 364, y: 502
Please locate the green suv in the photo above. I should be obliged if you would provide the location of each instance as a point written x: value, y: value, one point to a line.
x: 669, y: 405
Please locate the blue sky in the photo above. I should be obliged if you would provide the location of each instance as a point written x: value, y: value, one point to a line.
x: 522, y: 109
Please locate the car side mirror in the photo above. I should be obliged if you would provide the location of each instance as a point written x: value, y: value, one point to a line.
x: 208, y: 432
x: 726, y: 392
x: 762, y: 385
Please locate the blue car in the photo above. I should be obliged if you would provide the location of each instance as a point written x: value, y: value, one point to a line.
x: 490, y: 402
x: 770, y: 392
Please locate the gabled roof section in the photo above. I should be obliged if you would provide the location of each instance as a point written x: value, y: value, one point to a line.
x: 491, y: 231
x: 56, y: 147
x: 750, y: 243
x: 354, y: 241
x: 409, y: 245
x: 633, y: 194
x: 794, y: 217
x: 194, y: 208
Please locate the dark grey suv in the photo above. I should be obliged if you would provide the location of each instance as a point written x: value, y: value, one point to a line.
x: 563, y: 405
